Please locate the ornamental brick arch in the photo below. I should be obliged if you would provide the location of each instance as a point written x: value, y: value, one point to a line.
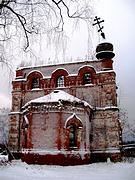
x: 86, y: 75
x: 73, y: 120
x: 59, y: 73
x: 34, y: 80
x: 73, y: 126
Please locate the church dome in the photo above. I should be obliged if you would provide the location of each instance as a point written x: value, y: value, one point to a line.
x: 104, y: 51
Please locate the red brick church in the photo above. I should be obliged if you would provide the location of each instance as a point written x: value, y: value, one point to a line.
x: 67, y: 113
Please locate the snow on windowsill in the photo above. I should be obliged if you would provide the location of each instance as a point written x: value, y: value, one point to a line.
x: 90, y: 84
x: 15, y: 112
x: 36, y: 89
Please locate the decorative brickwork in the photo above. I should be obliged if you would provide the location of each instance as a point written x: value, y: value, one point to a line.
x: 48, y: 129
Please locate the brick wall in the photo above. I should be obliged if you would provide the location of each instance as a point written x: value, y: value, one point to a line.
x: 100, y: 93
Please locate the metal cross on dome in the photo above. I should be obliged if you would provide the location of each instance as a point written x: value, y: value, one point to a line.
x: 98, y: 22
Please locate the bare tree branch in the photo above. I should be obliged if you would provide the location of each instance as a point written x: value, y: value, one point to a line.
x: 29, y: 9
x: 22, y: 18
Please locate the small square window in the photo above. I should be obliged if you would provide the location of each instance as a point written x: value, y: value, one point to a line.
x: 35, y: 83
x: 87, y: 78
x: 60, y: 81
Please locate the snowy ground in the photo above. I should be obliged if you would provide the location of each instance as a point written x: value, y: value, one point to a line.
x: 18, y: 170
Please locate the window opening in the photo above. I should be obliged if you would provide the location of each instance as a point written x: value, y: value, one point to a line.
x: 87, y: 78
x: 60, y: 81
x: 72, y: 136
x: 35, y: 83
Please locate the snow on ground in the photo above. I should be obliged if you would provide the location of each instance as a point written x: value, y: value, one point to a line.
x: 18, y: 170
x: 3, y: 157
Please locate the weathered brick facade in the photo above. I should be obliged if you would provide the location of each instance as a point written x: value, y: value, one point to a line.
x: 39, y: 131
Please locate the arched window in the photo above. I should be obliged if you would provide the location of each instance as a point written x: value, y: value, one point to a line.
x: 87, y: 75
x: 35, y: 82
x: 87, y: 78
x: 74, y: 132
x: 72, y: 136
x: 60, y: 81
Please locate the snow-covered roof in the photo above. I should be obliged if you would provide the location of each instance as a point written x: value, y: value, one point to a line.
x: 105, y: 71
x: 57, y: 96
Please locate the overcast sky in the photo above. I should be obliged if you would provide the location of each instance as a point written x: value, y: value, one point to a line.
x: 119, y: 24
x: 119, y: 27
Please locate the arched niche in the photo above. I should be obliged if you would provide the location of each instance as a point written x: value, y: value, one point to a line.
x: 86, y: 75
x: 34, y: 80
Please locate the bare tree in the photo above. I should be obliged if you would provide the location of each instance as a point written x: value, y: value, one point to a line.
x: 38, y: 16
x: 127, y: 127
